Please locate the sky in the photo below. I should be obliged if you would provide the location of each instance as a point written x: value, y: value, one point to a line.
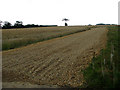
x: 51, y: 12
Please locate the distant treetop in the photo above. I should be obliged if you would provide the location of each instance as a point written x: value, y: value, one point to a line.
x: 65, y: 19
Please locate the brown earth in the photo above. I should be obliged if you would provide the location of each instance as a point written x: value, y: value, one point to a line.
x: 54, y: 62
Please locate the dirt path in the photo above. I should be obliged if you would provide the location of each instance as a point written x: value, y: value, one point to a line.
x: 54, y: 62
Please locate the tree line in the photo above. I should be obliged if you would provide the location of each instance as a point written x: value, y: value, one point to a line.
x: 19, y: 24
x: 104, y: 24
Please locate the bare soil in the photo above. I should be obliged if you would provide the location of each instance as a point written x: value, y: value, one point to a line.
x: 54, y: 62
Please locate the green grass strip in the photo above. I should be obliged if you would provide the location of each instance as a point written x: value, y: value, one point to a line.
x: 104, y: 70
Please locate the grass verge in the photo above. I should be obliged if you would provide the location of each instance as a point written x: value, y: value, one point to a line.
x: 104, y: 70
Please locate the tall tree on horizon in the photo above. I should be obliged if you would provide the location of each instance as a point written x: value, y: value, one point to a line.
x: 7, y: 25
x: 65, y: 19
x: 18, y: 24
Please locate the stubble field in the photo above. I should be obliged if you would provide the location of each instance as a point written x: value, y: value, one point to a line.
x: 14, y: 38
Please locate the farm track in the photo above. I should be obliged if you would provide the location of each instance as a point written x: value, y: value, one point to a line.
x: 54, y: 62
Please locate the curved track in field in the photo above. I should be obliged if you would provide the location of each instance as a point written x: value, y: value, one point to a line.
x: 54, y: 62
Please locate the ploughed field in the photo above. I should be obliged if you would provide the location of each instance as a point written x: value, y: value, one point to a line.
x: 58, y: 61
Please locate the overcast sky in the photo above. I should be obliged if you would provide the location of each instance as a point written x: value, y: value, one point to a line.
x: 49, y: 12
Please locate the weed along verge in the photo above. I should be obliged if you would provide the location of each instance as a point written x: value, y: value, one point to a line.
x: 104, y: 70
